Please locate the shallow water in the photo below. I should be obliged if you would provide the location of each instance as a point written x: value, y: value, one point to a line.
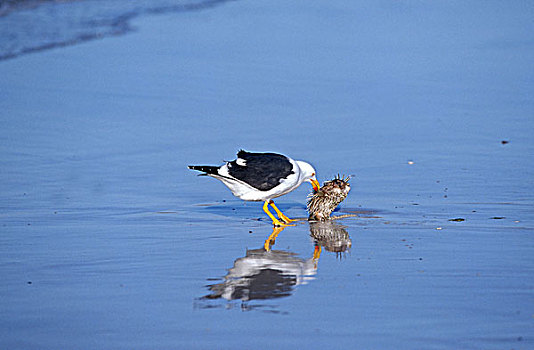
x: 109, y: 241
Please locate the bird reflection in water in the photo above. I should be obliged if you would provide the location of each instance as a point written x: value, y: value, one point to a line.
x: 265, y: 273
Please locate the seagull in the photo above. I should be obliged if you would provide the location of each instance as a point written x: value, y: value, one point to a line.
x: 262, y: 177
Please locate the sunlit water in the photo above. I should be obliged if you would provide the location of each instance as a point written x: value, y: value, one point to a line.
x: 110, y: 242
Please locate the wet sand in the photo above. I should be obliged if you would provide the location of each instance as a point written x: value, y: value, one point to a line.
x: 110, y: 242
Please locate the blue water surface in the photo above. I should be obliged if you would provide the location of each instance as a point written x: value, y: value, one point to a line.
x: 109, y: 241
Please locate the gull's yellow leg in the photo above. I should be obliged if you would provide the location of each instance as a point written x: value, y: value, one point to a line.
x: 280, y: 214
x: 276, y: 222
x: 317, y: 252
x: 269, y: 242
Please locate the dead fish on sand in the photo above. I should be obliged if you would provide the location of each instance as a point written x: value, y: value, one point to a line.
x: 322, y: 203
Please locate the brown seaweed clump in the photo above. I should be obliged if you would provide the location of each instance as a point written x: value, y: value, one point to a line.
x: 323, y: 202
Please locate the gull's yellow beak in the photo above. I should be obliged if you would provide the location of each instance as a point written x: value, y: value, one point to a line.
x: 315, y: 184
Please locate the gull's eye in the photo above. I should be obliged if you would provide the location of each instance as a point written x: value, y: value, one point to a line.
x: 313, y: 174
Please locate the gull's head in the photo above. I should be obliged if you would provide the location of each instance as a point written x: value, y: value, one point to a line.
x: 308, y: 174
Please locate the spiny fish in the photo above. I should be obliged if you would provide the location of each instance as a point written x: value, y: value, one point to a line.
x: 322, y: 203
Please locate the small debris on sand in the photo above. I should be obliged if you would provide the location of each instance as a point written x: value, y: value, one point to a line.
x: 457, y: 219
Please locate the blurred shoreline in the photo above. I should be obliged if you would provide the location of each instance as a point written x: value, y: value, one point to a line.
x: 29, y: 26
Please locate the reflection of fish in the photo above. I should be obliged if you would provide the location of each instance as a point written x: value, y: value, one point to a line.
x: 263, y: 274
x: 323, y: 201
x: 330, y: 235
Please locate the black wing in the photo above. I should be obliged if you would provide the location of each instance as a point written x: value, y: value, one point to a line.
x: 263, y: 171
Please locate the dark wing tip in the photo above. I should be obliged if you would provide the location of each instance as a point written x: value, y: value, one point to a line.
x: 207, y: 169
